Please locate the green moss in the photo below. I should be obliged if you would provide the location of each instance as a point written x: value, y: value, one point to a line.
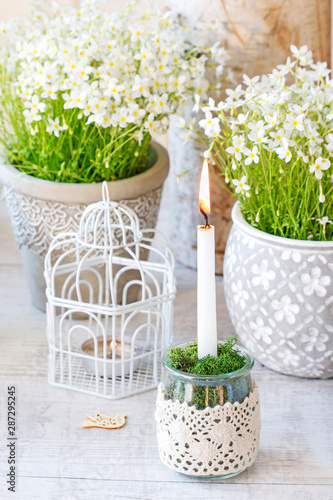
x: 202, y: 393
x: 186, y: 359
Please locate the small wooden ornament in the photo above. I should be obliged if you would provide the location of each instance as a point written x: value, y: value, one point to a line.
x: 104, y: 421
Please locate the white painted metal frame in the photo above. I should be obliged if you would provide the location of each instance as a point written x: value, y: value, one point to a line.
x: 99, y: 286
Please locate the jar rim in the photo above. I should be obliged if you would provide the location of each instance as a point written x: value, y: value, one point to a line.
x: 224, y: 376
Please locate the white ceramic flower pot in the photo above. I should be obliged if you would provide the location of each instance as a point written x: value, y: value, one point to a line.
x: 279, y: 294
x: 41, y: 209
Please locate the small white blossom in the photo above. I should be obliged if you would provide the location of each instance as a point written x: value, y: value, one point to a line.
x: 318, y: 167
x: 324, y: 220
x: 196, y: 106
x: 284, y: 152
x: 252, y: 155
x: 295, y: 122
x: 303, y: 54
x: 241, y: 184
x: 238, y: 147
x: 54, y: 126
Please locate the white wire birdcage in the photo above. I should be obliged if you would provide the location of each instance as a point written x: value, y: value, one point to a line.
x: 109, y: 309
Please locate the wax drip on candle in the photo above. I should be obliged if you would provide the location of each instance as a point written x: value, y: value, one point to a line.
x: 204, y: 198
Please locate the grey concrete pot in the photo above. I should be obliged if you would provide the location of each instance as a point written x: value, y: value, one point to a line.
x: 279, y: 294
x: 41, y: 209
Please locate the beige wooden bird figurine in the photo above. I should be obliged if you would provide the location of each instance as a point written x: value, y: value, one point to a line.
x: 104, y: 422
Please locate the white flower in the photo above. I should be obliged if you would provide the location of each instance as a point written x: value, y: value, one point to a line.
x: 250, y: 81
x: 285, y: 310
x: 35, y: 105
x: 287, y: 66
x: 251, y: 155
x: 241, y: 119
x: 209, y: 121
x: 329, y: 117
x: 181, y: 123
x: 123, y: 117
x: 238, y: 147
x: 303, y: 156
x: 51, y: 92
x: 31, y: 116
x: 324, y: 220
x: 54, y: 126
x: 314, y: 137
x: 258, y: 136
x: 284, y: 152
x: 263, y: 275
x: 261, y: 331
x: 314, y: 340
x: 315, y: 282
x: 141, y: 87
x: 234, y: 94
x: 149, y: 123
x: 196, y: 106
x: 241, y: 185
x: 213, y: 130
x: 318, y: 167
x: 278, y: 137
x: 303, y: 54
x: 177, y: 83
x: 162, y: 104
x: 295, y: 122
x: 211, y: 105
x: 320, y: 70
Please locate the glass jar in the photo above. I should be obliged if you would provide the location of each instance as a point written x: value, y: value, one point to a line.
x: 208, y: 427
x: 203, y: 390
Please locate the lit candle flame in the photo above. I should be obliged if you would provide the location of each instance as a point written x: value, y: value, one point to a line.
x: 115, y: 345
x: 204, y: 196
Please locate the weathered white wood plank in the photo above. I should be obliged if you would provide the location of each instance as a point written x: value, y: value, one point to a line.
x: 82, y: 489
x: 296, y: 448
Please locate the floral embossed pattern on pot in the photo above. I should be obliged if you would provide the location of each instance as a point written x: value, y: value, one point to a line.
x: 279, y: 295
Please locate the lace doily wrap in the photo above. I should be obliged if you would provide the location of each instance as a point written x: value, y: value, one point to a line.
x: 212, y: 442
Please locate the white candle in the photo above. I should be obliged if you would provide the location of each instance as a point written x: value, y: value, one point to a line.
x: 206, y: 289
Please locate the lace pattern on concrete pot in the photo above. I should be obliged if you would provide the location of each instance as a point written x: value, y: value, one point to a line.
x: 213, y: 442
x: 36, y: 222
x: 279, y: 294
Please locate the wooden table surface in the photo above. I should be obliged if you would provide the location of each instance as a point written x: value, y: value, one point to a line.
x: 57, y: 460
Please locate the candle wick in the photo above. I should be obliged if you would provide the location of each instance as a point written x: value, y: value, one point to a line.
x: 207, y: 226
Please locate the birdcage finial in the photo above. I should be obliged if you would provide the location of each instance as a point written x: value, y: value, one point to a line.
x: 105, y: 193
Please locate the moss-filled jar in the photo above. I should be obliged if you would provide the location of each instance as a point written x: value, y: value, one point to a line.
x: 208, y: 425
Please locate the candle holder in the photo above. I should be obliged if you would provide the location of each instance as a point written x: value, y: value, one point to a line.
x: 208, y: 426
x: 97, y: 351
x: 109, y: 309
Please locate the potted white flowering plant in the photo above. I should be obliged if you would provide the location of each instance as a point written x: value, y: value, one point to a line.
x: 82, y: 95
x: 273, y: 142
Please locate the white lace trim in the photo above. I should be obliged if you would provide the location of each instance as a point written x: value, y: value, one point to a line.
x: 212, y: 442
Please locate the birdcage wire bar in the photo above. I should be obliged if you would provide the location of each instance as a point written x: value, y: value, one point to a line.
x: 109, y: 308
